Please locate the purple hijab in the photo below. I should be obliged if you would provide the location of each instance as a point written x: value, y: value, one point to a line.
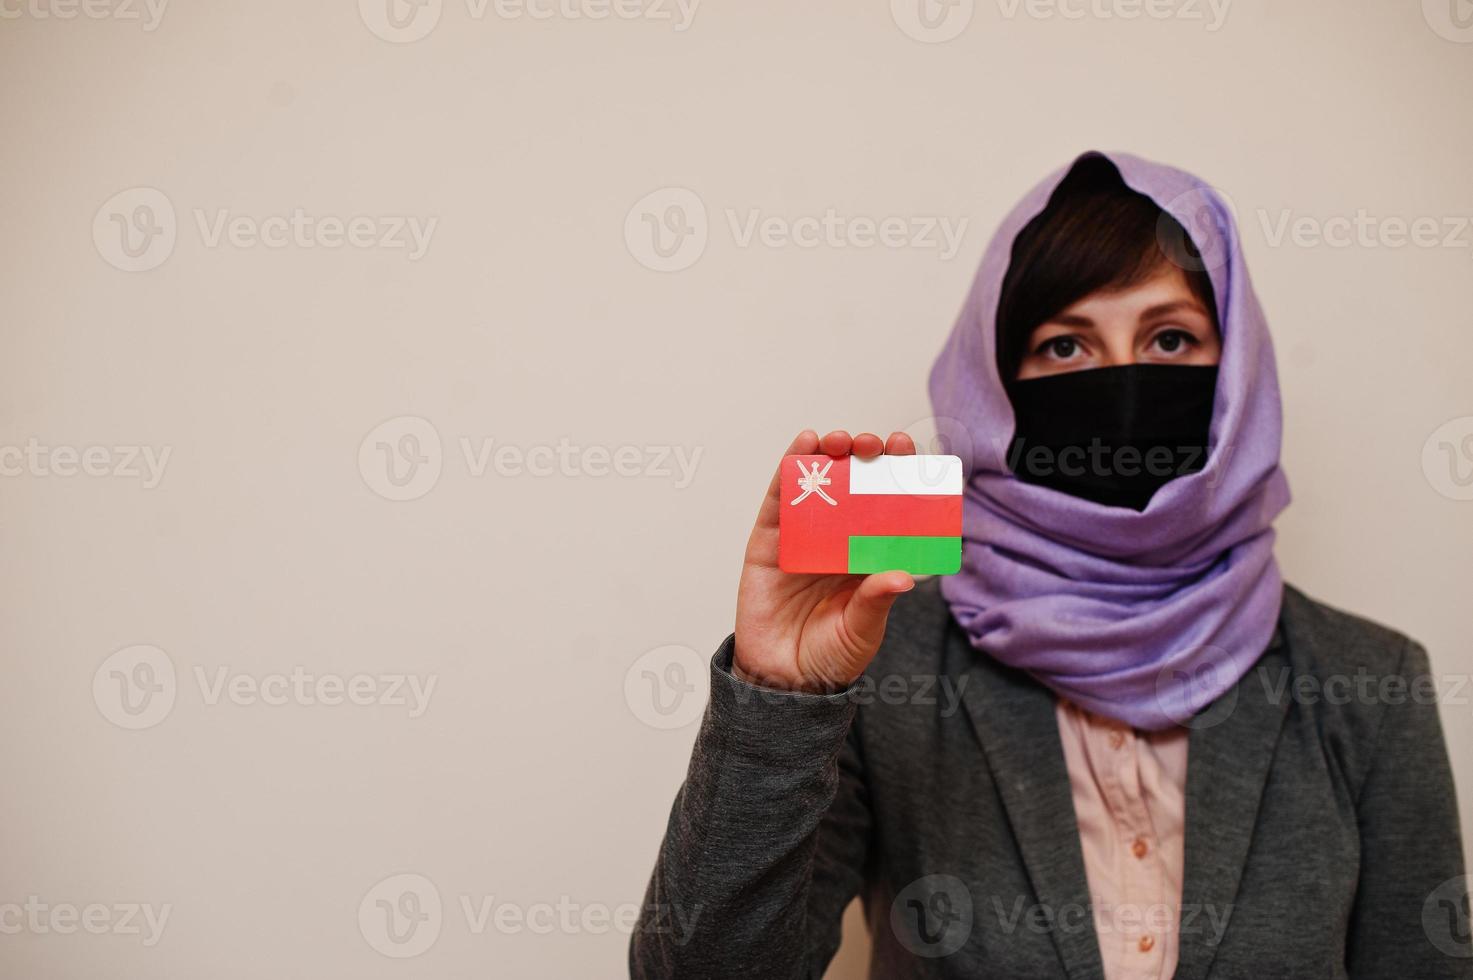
x: 1144, y: 617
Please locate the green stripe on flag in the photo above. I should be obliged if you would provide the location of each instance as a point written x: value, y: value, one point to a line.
x: 917, y: 554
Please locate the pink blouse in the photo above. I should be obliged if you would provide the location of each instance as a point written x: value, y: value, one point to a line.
x: 1129, y: 792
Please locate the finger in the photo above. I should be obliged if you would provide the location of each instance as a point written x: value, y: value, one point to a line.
x: 804, y: 443
x: 900, y: 444
x: 836, y: 443
x: 867, y: 445
x: 865, y: 615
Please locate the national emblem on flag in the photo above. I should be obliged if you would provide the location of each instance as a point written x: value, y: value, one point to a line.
x: 844, y: 514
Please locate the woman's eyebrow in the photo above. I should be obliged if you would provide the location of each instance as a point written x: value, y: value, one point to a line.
x: 1161, y: 309
x: 1070, y: 320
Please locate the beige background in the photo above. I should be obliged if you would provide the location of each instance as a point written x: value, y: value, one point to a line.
x: 537, y: 774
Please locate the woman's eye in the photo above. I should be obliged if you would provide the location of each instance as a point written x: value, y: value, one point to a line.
x: 1171, y: 341
x: 1061, y: 347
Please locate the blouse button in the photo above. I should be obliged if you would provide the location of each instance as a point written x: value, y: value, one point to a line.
x: 1140, y: 847
x: 1146, y: 944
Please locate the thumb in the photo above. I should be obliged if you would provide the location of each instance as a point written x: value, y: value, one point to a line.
x: 869, y: 607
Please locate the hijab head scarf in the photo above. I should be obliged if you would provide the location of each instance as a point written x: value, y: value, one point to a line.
x: 1144, y: 616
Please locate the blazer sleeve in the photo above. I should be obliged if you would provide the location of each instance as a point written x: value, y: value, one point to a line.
x: 1410, y: 917
x: 766, y: 842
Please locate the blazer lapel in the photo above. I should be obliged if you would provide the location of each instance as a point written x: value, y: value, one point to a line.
x: 1014, y: 718
x: 1229, y: 752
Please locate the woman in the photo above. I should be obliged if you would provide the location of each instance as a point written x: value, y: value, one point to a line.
x: 1151, y: 770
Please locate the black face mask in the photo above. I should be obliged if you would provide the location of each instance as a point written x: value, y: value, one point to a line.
x: 1112, y: 435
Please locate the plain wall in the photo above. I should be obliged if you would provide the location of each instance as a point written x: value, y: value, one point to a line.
x: 539, y: 774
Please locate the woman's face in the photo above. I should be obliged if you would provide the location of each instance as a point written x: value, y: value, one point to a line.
x: 1157, y: 321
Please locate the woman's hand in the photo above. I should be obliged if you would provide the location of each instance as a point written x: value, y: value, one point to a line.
x: 811, y: 632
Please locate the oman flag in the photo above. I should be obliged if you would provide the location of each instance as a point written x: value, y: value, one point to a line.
x: 842, y: 514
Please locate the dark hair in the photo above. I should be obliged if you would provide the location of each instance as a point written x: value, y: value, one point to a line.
x: 1095, y: 233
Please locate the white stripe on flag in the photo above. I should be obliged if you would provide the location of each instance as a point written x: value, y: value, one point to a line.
x: 916, y: 475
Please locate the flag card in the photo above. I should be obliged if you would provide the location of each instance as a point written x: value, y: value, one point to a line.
x: 844, y: 514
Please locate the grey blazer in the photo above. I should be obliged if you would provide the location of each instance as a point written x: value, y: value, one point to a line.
x: 1321, y: 828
